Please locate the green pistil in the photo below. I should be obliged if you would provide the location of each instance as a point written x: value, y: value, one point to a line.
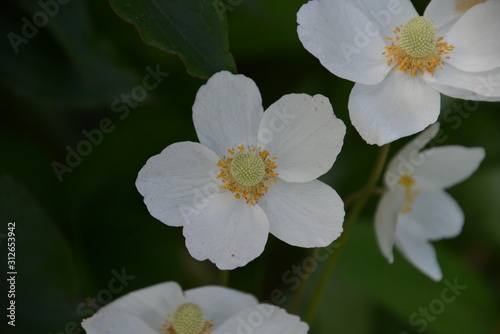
x: 247, y: 168
x: 418, y: 37
x: 188, y: 319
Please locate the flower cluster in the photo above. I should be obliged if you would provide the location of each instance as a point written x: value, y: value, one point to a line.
x: 254, y: 172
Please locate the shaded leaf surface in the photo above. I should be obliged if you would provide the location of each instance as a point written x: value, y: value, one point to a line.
x: 196, y: 30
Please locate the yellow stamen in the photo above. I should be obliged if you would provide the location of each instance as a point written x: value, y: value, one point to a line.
x: 416, y: 48
x: 408, y: 182
x: 247, y: 173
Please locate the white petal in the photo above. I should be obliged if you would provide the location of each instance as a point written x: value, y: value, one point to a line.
x: 418, y: 250
x: 435, y: 214
x: 474, y: 36
x: 263, y: 319
x: 304, y: 134
x: 406, y: 160
x: 397, y: 107
x: 478, y: 86
x: 220, y: 303
x: 115, y: 321
x: 150, y: 304
x: 386, y: 215
x: 227, y: 112
x: 228, y: 232
x: 349, y: 37
x: 443, y: 167
x: 304, y: 214
x: 176, y: 182
x: 443, y: 13
x: 387, y: 14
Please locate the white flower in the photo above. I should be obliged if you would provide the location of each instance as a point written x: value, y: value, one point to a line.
x: 401, y: 61
x: 253, y: 173
x: 416, y: 209
x: 164, y: 308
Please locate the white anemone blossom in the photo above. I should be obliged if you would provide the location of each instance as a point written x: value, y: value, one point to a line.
x: 401, y: 61
x: 253, y: 173
x: 415, y: 209
x: 164, y: 308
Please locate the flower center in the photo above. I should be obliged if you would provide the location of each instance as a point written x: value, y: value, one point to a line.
x: 247, y: 173
x: 247, y: 168
x: 188, y: 318
x: 418, y: 37
x: 408, y: 182
x: 416, y: 48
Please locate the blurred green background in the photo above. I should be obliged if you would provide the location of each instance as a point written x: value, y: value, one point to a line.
x: 74, y: 236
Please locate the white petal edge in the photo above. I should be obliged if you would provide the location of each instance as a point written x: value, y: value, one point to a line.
x: 227, y: 112
x: 477, y: 46
x: 443, y: 167
x: 477, y: 86
x: 177, y: 182
x: 111, y: 320
x: 228, y: 231
x: 220, y: 303
x: 263, y: 319
x: 386, y: 216
x: 443, y: 14
x: 397, y: 107
x: 408, y: 158
x: 150, y: 305
x: 418, y: 251
x: 347, y: 41
x: 304, y: 134
x: 435, y: 214
x: 304, y: 214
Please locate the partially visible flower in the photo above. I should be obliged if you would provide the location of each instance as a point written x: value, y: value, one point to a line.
x: 401, y: 61
x: 253, y: 173
x: 415, y: 209
x: 164, y: 308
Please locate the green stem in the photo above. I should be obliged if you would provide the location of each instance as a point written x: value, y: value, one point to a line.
x: 224, y: 278
x: 349, y: 222
x: 352, y: 198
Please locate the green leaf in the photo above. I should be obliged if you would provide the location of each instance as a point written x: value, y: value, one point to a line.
x: 196, y: 30
x: 63, y: 66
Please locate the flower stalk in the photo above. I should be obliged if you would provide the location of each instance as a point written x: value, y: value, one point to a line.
x: 349, y: 222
